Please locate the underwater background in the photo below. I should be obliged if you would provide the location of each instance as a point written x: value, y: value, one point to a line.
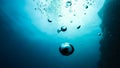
x: 31, y: 33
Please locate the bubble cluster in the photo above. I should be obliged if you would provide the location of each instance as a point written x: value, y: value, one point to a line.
x: 88, y: 3
x: 49, y: 9
x: 46, y: 5
x: 63, y: 29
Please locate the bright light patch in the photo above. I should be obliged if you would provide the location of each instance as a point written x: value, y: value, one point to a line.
x: 69, y: 13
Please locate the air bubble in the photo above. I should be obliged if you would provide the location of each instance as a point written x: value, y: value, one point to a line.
x: 68, y: 3
x: 60, y: 15
x: 86, y: 7
x: 58, y: 30
x: 63, y: 28
x: 79, y: 27
x: 49, y: 20
x: 66, y: 49
x: 99, y: 34
x: 71, y: 21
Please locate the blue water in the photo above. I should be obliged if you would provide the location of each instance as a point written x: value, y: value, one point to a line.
x: 37, y: 42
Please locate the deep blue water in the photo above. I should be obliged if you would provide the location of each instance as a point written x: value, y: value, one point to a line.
x: 28, y: 40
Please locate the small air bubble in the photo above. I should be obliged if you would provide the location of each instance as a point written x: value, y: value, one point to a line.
x: 49, y: 20
x: 79, y: 27
x: 86, y: 7
x: 99, y: 34
x: 63, y: 28
x: 74, y: 14
x: 84, y: 13
x: 60, y: 15
x: 71, y: 21
x: 68, y: 3
x: 35, y: 8
x: 58, y: 30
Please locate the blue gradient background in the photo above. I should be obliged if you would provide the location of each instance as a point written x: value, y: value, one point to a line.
x: 24, y: 45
